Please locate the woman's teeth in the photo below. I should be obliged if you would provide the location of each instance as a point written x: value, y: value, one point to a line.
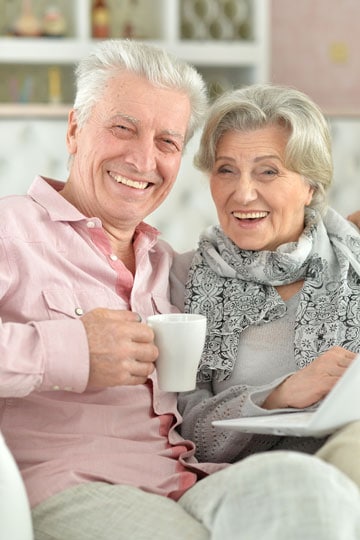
x: 250, y: 215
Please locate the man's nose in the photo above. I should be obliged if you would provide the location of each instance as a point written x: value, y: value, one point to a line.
x: 142, y: 155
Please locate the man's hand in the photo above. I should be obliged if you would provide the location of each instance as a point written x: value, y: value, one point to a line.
x: 312, y: 383
x: 122, y: 349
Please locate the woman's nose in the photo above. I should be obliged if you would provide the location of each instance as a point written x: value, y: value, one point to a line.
x: 245, y: 190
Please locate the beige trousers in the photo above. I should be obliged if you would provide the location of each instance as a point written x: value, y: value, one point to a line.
x: 343, y: 451
x: 277, y: 495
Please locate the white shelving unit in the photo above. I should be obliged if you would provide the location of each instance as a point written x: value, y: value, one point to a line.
x: 233, y: 62
x: 36, y: 129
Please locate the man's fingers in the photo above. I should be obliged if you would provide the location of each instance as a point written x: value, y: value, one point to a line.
x: 116, y: 314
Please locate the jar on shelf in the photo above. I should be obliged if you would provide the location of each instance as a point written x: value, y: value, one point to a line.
x: 27, y: 24
x: 54, y: 23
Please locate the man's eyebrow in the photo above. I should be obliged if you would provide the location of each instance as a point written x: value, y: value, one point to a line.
x: 136, y: 122
x: 174, y: 134
x: 126, y: 117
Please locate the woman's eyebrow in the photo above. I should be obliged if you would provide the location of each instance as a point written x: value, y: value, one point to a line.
x: 267, y: 156
x: 256, y: 159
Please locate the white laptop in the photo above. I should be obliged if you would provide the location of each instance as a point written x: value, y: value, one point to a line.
x: 339, y: 407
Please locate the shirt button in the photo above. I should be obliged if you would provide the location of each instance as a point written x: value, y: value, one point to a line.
x: 113, y: 257
x: 90, y: 224
x: 79, y: 311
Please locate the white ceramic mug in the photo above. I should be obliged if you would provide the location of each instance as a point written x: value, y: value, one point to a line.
x: 180, y: 338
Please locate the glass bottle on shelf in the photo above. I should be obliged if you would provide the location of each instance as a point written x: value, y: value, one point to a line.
x: 54, y: 85
x: 100, y: 19
x: 132, y: 22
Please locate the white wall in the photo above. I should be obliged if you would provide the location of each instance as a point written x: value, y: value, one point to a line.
x: 29, y: 147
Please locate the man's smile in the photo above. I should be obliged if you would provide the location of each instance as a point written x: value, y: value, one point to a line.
x: 127, y: 182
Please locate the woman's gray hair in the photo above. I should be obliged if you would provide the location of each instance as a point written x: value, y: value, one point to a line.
x: 162, y: 69
x: 308, y: 151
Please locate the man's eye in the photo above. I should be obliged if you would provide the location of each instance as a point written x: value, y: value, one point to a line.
x: 170, y: 144
x: 121, y: 130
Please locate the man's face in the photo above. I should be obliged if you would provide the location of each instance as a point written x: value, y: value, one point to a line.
x: 126, y: 157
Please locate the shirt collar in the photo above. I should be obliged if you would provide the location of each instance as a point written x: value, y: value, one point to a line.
x: 45, y: 191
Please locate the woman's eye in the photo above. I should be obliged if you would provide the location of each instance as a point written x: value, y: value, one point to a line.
x: 224, y: 169
x: 269, y: 172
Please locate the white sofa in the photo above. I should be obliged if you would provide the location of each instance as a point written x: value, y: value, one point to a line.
x: 15, y: 515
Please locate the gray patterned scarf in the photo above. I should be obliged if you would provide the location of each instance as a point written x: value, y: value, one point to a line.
x: 234, y: 288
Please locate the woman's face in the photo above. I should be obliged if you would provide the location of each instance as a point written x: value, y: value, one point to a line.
x: 260, y: 203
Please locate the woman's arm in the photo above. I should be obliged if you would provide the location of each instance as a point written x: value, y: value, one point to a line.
x: 200, y: 407
x: 298, y: 390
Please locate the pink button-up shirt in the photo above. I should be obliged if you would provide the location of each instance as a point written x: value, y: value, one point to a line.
x: 55, y: 265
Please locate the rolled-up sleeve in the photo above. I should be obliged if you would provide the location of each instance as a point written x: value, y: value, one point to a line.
x: 43, y: 356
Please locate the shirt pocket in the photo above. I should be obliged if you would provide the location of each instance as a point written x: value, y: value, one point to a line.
x: 162, y: 305
x: 73, y: 303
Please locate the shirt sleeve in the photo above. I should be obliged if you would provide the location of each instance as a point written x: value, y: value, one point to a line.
x: 43, y: 356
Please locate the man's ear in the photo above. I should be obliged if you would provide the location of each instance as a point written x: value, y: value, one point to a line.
x: 71, y: 134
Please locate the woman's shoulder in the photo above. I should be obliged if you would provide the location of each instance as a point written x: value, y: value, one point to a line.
x: 181, y: 264
x: 178, y: 276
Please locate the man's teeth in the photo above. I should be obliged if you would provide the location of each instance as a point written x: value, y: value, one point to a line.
x: 250, y: 215
x: 131, y: 183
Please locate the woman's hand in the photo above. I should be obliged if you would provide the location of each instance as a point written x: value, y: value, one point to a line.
x: 355, y: 218
x: 312, y: 383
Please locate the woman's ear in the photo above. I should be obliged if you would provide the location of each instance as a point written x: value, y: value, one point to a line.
x: 310, y: 195
x: 71, y: 134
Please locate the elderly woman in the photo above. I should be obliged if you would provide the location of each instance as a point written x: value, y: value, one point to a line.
x: 278, y: 278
